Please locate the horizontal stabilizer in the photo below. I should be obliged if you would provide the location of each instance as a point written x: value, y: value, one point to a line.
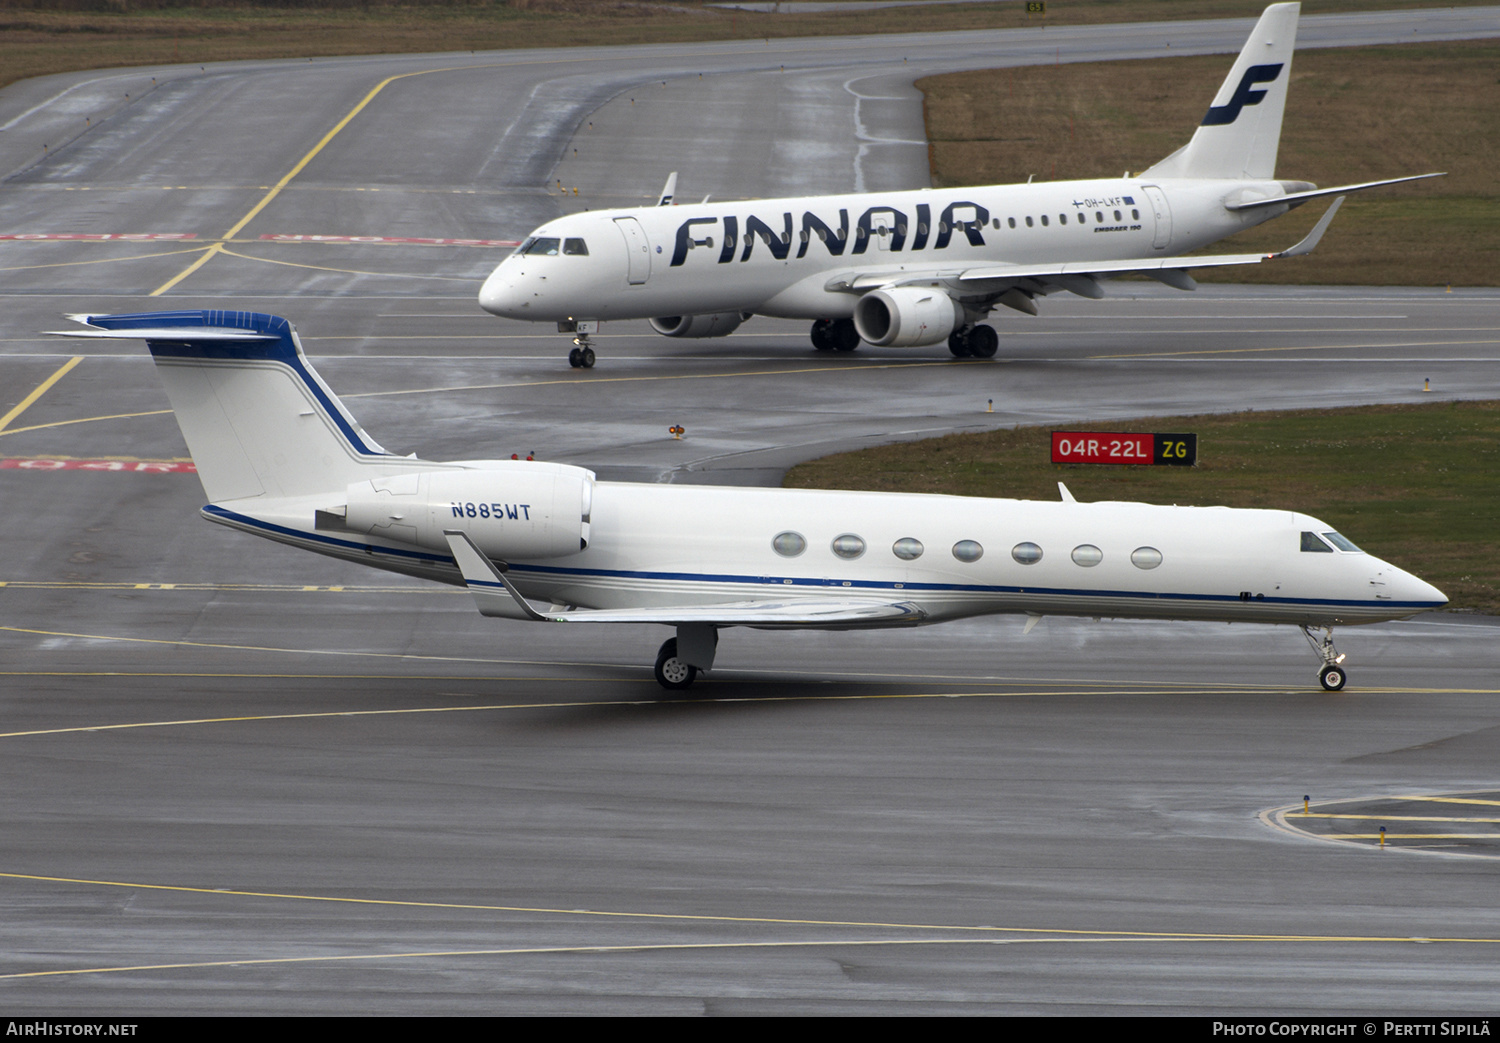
x: 1319, y: 193
x: 495, y: 595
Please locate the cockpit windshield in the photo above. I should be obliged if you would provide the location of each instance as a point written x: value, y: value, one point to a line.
x: 538, y: 246
x: 546, y: 246
x: 1320, y: 545
x: 1341, y: 542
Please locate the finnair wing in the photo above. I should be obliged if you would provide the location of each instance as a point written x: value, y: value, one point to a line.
x: 1074, y: 276
x: 495, y: 595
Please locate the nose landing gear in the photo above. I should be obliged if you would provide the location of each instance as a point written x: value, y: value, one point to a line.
x: 1332, y: 675
x: 582, y: 356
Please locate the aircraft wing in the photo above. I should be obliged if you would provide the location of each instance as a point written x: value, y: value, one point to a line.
x: 1074, y: 276
x: 495, y: 595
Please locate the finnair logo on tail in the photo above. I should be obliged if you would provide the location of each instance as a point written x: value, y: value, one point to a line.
x: 1244, y: 94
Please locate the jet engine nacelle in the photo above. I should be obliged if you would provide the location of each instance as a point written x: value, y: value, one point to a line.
x: 907, y: 316
x: 693, y: 326
x: 511, y: 510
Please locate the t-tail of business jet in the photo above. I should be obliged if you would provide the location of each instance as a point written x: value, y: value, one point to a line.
x: 915, y: 269
x: 281, y: 457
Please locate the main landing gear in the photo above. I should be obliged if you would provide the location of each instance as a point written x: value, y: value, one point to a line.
x: 1332, y: 675
x: 672, y: 673
x: 979, y: 342
x: 835, y: 335
x: 683, y: 657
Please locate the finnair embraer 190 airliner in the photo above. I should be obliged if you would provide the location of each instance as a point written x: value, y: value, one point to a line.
x: 281, y: 457
x: 909, y: 269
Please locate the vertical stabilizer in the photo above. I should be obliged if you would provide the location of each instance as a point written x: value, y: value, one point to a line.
x: 1242, y: 130
x: 258, y: 419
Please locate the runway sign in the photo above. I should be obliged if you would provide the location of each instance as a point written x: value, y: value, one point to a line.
x: 1116, y: 447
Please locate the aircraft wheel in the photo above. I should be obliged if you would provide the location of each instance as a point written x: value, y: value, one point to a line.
x: 586, y: 358
x: 983, y: 342
x: 573, y: 358
x: 822, y: 335
x: 843, y: 334
x: 958, y: 344
x: 672, y: 673
x: 1331, y: 677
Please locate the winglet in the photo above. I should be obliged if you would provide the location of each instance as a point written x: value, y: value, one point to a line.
x: 1067, y: 497
x: 1307, y: 244
x: 494, y: 595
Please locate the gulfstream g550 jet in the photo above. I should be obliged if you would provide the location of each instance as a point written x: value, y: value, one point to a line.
x: 909, y: 269
x: 281, y: 457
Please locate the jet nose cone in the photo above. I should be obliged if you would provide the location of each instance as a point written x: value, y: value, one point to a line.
x: 1418, y: 593
x: 498, y: 296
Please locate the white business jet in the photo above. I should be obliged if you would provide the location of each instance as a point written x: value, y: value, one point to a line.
x: 910, y: 269
x: 280, y: 457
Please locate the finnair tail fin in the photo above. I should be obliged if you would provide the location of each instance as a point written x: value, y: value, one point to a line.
x: 257, y: 418
x: 1242, y: 131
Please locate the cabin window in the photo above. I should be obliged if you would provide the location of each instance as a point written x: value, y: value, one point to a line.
x: 848, y: 546
x: 1099, y: 217
x: 859, y: 233
x: 1011, y: 221
x: 540, y: 247
x: 1341, y: 542
x: 996, y: 223
x: 967, y: 550
x: 786, y: 238
x: 1135, y: 215
x: 1118, y: 217
x: 907, y: 548
x: 789, y: 544
x: 806, y: 236
x: 575, y: 248
x: 1030, y: 223
x: 1062, y: 219
x: 921, y: 227
x: 901, y: 228
x: 1310, y: 542
x: 1045, y: 222
x: 1145, y: 557
x: 1087, y: 555
x: 1026, y: 553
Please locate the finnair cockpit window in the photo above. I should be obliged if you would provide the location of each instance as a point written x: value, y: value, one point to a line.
x: 537, y: 246
x: 575, y: 248
x: 1310, y: 542
x: 1341, y: 542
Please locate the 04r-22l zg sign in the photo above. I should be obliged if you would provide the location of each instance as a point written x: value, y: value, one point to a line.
x: 1117, y: 447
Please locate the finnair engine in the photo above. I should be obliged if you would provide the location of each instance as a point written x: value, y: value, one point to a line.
x: 907, y: 316
x: 694, y: 326
x: 513, y: 510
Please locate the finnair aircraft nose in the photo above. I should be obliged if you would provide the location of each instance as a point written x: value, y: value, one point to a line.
x: 498, y: 296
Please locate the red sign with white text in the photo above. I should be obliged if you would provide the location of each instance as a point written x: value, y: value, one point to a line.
x: 1119, y: 447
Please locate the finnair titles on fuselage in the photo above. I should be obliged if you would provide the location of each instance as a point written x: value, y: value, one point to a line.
x: 909, y: 269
